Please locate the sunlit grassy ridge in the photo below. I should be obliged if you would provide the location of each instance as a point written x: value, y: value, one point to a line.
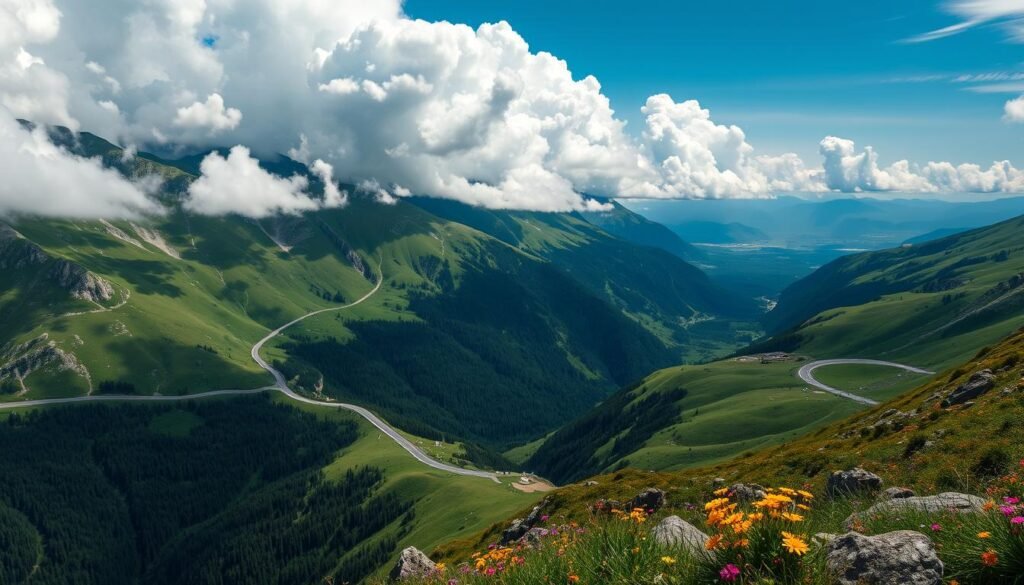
x: 688, y: 416
x: 930, y: 305
x: 977, y: 449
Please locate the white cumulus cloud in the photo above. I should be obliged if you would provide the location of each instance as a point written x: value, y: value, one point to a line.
x: 1014, y: 110
x: 848, y: 170
x: 42, y: 179
x: 211, y: 115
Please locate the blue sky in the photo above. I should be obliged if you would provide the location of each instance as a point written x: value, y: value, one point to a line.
x: 788, y: 72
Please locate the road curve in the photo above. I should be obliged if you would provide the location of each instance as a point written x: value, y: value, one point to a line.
x: 806, y: 374
x: 280, y: 385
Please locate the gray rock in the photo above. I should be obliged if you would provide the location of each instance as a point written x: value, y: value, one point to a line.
x: 590, y: 483
x: 521, y: 526
x: 534, y: 536
x: 746, y: 492
x: 851, y: 482
x: 651, y: 499
x: 823, y: 538
x: 674, y: 532
x: 718, y: 481
x: 896, y: 493
x: 412, y: 564
x: 895, y: 558
x: 979, y: 383
x: 944, y: 502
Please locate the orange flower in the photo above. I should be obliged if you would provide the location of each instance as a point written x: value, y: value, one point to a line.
x: 989, y: 558
x: 989, y: 506
x: 574, y: 578
x: 794, y: 544
x: 984, y: 535
x: 713, y: 542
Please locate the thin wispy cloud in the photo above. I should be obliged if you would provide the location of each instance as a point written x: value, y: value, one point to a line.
x: 1008, y: 14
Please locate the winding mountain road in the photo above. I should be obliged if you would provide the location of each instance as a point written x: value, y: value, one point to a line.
x: 806, y: 374
x: 280, y: 385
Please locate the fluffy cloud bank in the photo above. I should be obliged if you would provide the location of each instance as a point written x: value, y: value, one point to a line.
x: 395, y: 105
x: 237, y: 184
x: 42, y: 179
x: 850, y: 171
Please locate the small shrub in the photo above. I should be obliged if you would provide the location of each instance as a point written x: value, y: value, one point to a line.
x: 993, y: 463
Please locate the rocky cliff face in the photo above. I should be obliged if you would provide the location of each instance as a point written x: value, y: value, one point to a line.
x: 19, y: 361
x: 18, y: 253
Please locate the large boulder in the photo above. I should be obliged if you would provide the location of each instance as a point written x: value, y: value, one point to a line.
x: 852, y: 482
x: 978, y: 384
x: 895, y: 558
x: 674, y: 532
x: 944, y: 502
x: 412, y: 564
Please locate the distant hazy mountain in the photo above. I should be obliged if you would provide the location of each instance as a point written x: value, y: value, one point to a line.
x: 710, y: 232
x: 633, y: 227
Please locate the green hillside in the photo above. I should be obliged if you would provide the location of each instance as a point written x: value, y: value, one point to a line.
x: 468, y: 337
x: 930, y: 305
x: 668, y: 296
x: 687, y: 416
x: 633, y: 227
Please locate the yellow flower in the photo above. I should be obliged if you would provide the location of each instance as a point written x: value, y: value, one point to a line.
x: 756, y: 516
x: 803, y: 507
x: 636, y: 550
x: 440, y: 567
x: 733, y: 518
x: 716, y: 503
x: 805, y: 494
x: 792, y: 517
x: 984, y: 535
x: 794, y: 544
x: 668, y: 560
x: 742, y: 527
x: 721, y: 492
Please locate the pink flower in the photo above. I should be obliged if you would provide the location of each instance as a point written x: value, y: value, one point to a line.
x: 1011, y: 500
x: 544, y: 518
x: 936, y: 527
x: 1008, y: 510
x: 729, y: 573
x: 1017, y: 520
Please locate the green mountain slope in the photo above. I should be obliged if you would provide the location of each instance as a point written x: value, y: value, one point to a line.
x: 931, y: 304
x: 668, y: 296
x: 633, y: 227
x: 468, y: 336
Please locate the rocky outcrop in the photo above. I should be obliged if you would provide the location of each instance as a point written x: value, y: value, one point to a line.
x: 42, y: 352
x: 18, y: 253
x: 746, y: 493
x: 852, y: 482
x: 650, y: 500
x: 674, y: 532
x: 412, y: 564
x: 350, y: 254
x: 520, y: 527
x: 895, y: 558
x: 944, y: 502
x: 978, y: 384
x: 81, y: 283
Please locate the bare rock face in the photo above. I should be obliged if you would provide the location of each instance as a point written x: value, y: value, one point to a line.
x: 852, y: 482
x: 895, y: 558
x: 674, y: 532
x: 412, y: 564
x: 944, y: 502
x: 81, y: 283
x: 520, y: 527
x: 16, y: 253
x: 979, y: 383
